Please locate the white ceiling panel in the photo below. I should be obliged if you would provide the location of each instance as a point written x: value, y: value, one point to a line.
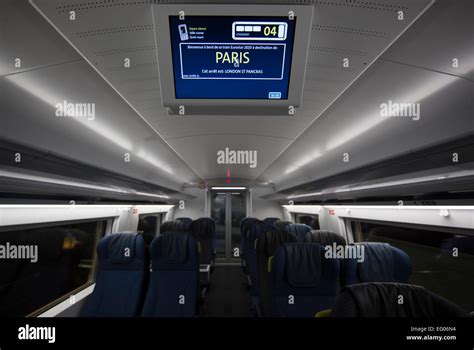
x: 444, y: 33
x: 102, y: 141
x: 355, y: 125
x: 207, y: 162
x: 106, y: 32
x: 17, y: 22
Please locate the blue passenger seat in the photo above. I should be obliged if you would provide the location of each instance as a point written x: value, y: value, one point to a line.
x: 382, y: 299
x: 174, y: 280
x: 282, y: 225
x: 120, y: 276
x: 299, y: 230
x: 255, y: 231
x: 303, y: 281
x: 173, y: 226
x: 266, y: 246
x: 245, y: 225
x: 186, y: 222
x: 204, y: 232
x: 324, y: 237
x: 271, y: 221
x: 382, y: 263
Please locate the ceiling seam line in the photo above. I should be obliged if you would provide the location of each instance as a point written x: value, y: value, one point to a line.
x: 42, y: 67
x: 427, y: 69
x: 225, y: 134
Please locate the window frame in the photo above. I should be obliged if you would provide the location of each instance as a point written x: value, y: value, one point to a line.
x: 92, y: 276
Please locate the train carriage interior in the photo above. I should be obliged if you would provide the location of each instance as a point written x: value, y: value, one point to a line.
x: 245, y: 159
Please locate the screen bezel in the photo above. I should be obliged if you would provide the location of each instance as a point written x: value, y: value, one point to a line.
x: 161, y: 13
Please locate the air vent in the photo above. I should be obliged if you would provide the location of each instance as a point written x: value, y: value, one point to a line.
x: 368, y: 5
x: 125, y: 50
x: 134, y: 66
x: 141, y: 91
x: 93, y: 5
x: 348, y: 30
x: 304, y: 2
x: 115, y: 30
x: 139, y: 79
x: 329, y: 66
x: 339, y: 51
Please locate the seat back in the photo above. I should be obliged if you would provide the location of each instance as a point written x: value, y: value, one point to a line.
x: 282, y: 225
x: 271, y: 221
x: 244, y: 230
x: 149, y: 232
x: 120, y: 275
x: 324, y: 238
x: 255, y: 231
x: 174, y: 280
x: 173, y: 226
x: 303, y: 281
x: 299, y: 230
x: 381, y: 263
x: 382, y: 299
x: 204, y: 232
x: 266, y: 246
x: 186, y: 222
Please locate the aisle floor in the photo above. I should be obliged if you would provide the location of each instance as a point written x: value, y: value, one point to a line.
x: 228, y: 295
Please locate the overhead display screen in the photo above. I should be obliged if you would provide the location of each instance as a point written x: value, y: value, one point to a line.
x: 229, y: 57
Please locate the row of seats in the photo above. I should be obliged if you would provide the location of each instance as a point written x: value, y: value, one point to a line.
x: 296, y: 279
x: 203, y: 230
x: 128, y: 285
x: 284, y: 259
x: 251, y: 230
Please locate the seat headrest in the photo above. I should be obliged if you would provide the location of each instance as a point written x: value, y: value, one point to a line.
x: 172, y: 226
x: 274, y: 238
x: 118, y: 248
x: 303, y: 264
x: 256, y: 229
x: 380, y: 299
x: 378, y: 263
x: 271, y: 221
x: 324, y: 238
x: 245, y: 223
x: 282, y: 225
x: 171, y: 248
x: 151, y: 220
x: 203, y: 227
x: 186, y: 221
x: 299, y: 230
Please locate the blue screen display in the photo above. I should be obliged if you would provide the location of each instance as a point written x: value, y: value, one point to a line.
x: 229, y: 57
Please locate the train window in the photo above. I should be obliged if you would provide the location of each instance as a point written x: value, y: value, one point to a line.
x: 310, y: 220
x: 443, y: 262
x: 42, y: 266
